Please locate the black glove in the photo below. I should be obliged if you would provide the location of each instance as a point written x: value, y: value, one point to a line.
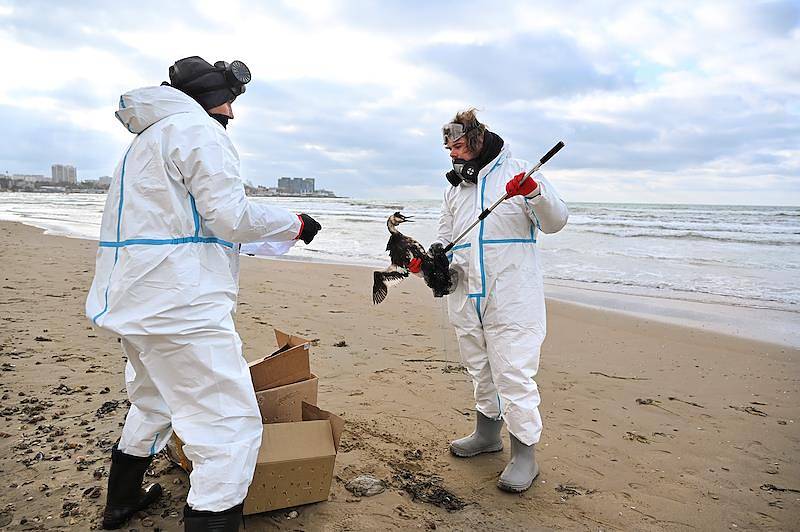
x: 310, y: 228
x: 435, y: 249
x: 437, y: 271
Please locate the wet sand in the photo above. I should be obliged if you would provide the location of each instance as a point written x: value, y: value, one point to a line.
x: 648, y: 426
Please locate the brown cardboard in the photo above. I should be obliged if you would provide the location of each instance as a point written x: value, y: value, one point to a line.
x: 175, y: 453
x: 295, y: 461
x: 285, y: 403
x: 287, y: 365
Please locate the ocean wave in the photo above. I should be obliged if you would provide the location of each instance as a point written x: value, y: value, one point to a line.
x: 377, y: 206
x: 684, y: 259
x: 759, y: 229
x: 736, y: 293
x: 694, y: 235
x: 743, y: 218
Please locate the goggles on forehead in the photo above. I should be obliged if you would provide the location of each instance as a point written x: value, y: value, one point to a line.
x: 453, y: 131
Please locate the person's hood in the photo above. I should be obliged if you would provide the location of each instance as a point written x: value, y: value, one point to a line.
x: 141, y: 108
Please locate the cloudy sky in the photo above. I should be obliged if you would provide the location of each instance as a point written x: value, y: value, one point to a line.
x: 657, y: 101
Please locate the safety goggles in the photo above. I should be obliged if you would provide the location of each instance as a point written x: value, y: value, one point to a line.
x: 452, y: 132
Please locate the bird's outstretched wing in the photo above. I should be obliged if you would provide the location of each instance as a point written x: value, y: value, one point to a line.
x: 384, y: 280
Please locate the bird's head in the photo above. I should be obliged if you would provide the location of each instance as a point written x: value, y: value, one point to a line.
x: 397, y: 218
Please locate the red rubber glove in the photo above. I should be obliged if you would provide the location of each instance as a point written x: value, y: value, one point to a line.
x: 415, y: 265
x: 513, y: 187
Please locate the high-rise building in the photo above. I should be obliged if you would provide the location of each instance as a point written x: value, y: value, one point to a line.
x: 296, y: 185
x: 57, y: 173
x: 285, y: 185
x: 64, y: 173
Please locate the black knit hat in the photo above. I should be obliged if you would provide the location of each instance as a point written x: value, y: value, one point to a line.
x: 202, y: 81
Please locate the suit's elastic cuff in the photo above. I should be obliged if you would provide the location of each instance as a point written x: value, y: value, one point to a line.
x: 536, y: 195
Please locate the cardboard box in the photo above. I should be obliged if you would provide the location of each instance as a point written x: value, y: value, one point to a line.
x: 295, y: 462
x: 287, y: 365
x: 285, y: 403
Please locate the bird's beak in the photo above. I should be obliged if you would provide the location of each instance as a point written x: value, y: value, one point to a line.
x: 408, y: 219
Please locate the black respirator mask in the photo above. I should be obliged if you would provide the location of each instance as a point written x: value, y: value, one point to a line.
x: 234, y: 77
x: 463, y: 170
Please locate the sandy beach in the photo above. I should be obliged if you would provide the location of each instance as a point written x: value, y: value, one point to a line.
x: 648, y: 425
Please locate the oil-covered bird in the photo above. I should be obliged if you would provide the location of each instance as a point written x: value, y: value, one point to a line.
x: 406, y: 254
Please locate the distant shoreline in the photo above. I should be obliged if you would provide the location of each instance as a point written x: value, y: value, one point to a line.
x: 64, y: 190
x: 322, y: 196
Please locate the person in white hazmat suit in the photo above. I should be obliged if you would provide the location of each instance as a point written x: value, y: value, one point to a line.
x: 166, y: 283
x: 497, y: 306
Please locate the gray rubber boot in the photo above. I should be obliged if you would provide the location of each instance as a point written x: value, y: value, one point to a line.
x: 521, y: 470
x: 485, y: 439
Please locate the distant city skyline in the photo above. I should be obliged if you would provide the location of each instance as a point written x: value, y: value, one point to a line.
x: 59, y: 173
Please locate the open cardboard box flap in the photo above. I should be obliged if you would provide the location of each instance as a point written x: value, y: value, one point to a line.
x: 311, y: 412
x: 283, y: 404
x: 316, y: 436
x: 289, y: 364
x: 284, y: 340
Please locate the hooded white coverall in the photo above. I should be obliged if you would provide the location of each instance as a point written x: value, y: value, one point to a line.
x: 166, y: 282
x: 498, y: 308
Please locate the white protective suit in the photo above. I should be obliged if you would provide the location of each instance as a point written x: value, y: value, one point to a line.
x: 498, y: 308
x: 166, y: 283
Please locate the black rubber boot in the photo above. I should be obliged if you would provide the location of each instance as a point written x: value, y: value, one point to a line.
x: 125, y: 495
x: 225, y: 521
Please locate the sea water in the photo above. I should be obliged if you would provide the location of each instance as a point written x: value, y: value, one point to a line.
x: 738, y: 255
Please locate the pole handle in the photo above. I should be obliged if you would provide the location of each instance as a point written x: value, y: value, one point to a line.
x: 555, y: 149
x: 547, y: 156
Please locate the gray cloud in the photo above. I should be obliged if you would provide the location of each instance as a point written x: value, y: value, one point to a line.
x: 526, y: 67
x: 381, y: 147
x: 778, y: 17
x: 317, y: 127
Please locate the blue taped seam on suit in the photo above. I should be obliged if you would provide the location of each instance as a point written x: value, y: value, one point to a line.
x: 166, y: 241
x: 149, y: 241
x: 456, y: 248
x: 195, y: 215
x: 480, y: 232
x: 478, y: 308
x: 119, y: 220
x: 153, y: 447
x: 122, y: 106
x: 533, y: 212
x: 482, y: 242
